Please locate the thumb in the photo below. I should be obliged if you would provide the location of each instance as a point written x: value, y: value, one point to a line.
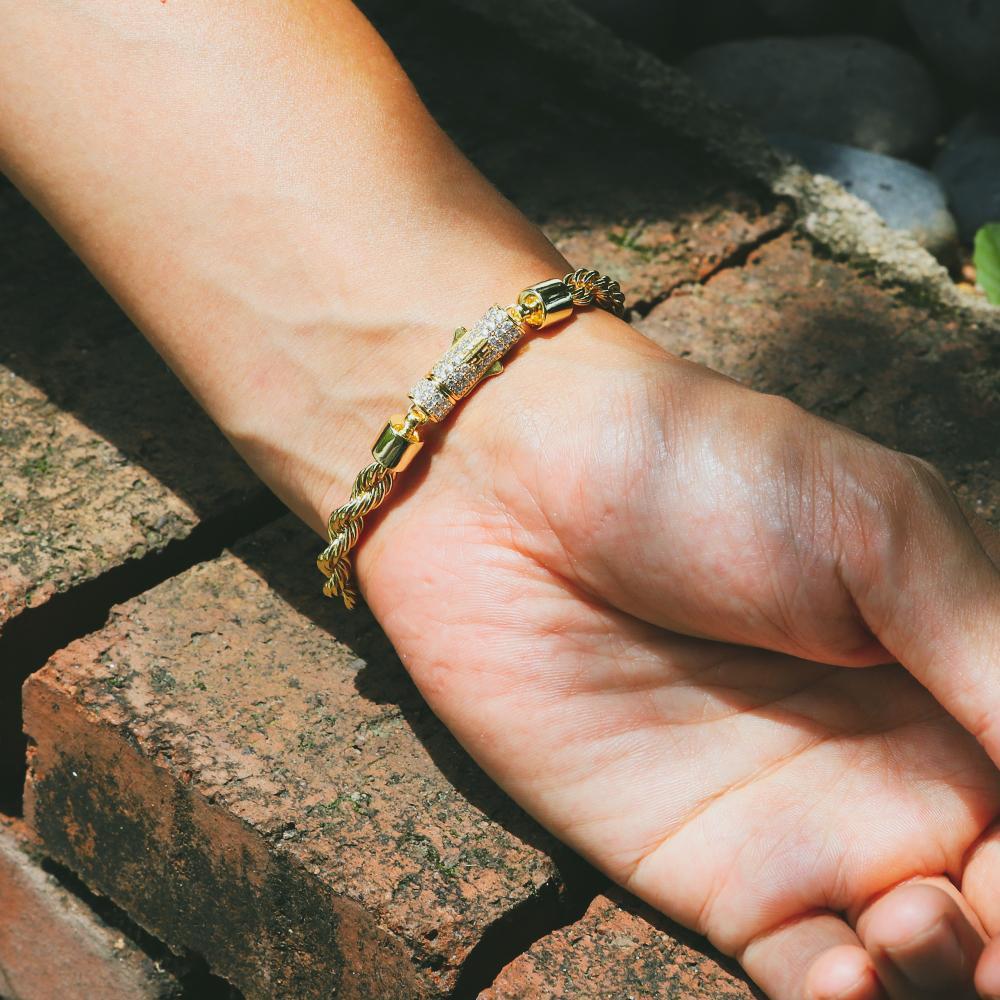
x: 925, y: 584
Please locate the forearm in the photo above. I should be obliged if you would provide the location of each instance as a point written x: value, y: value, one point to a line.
x: 263, y: 192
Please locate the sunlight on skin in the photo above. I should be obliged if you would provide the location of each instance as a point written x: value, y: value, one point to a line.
x: 764, y: 800
x: 735, y: 790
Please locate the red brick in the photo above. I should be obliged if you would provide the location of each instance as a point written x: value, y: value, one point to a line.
x: 95, y: 433
x: 52, y: 945
x: 622, y: 949
x: 279, y: 801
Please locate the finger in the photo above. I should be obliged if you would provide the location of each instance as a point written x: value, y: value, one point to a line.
x: 929, y: 592
x: 988, y: 972
x: 924, y: 940
x: 843, y: 973
x: 781, y: 961
x: 981, y: 879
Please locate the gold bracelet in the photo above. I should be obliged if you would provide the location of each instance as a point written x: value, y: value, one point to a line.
x: 473, y: 356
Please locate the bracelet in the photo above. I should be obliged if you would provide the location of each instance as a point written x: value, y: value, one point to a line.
x: 473, y: 356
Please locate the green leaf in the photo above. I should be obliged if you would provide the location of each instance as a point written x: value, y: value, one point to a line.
x: 987, y: 260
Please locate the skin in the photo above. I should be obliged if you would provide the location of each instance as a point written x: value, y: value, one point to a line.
x: 652, y: 604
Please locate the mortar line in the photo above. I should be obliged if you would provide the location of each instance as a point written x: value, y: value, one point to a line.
x: 191, y: 969
x: 514, y: 934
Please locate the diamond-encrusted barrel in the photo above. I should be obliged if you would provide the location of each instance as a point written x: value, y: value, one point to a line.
x: 465, y: 363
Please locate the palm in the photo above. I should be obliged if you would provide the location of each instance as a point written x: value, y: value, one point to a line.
x: 730, y: 788
x: 734, y: 789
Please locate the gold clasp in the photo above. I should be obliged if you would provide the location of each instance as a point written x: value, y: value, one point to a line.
x: 545, y: 303
x: 399, y: 441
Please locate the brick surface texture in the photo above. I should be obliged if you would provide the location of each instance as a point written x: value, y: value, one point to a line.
x: 52, y: 945
x: 619, y: 949
x: 259, y: 781
x: 95, y: 434
x: 791, y: 322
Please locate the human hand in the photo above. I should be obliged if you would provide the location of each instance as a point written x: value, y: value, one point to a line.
x: 572, y: 511
x: 601, y: 492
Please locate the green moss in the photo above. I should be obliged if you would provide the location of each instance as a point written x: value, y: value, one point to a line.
x: 423, y: 845
x: 39, y: 466
x: 629, y: 240
x: 325, y: 808
x: 162, y: 680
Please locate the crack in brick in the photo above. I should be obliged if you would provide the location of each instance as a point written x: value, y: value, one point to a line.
x: 737, y: 259
x: 554, y: 906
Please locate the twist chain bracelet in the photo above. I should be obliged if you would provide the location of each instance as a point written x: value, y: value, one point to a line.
x: 473, y: 356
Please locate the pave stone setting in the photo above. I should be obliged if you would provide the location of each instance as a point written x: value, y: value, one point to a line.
x: 466, y: 363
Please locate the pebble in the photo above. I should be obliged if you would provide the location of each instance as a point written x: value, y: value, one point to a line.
x: 843, y: 88
x: 961, y: 37
x: 907, y: 197
x: 969, y: 169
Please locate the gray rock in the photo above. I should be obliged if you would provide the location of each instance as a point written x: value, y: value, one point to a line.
x: 843, y: 88
x: 969, y: 169
x: 905, y: 196
x: 961, y: 37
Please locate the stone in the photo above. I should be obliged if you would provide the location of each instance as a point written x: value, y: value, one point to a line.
x: 53, y: 945
x: 963, y: 38
x: 843, y: 88
x: 620, y: 948
x: 969, y: 168
x: 248, y: 771
x: 469, y: 359
x: 906, y: 196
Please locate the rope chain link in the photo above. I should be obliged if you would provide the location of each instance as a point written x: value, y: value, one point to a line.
x: 588, y: 288
x: 370, y: 488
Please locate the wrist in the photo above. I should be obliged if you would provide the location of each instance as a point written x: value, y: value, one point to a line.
x: 312, y: 401
x: 497, y: 439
